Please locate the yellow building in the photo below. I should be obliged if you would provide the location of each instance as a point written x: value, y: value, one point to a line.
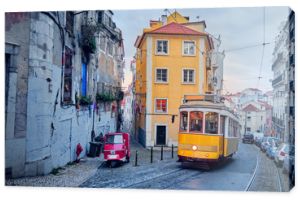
x: 171, y: 61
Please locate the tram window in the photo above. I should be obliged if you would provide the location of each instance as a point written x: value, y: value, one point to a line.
x: 222, y: 125
x: 196, y: 120
x: 211, y: 123
x: 183, y: 120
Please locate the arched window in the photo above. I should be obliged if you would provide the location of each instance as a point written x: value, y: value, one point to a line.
x: 196, y: 121
x: 183, y: 121
x: 211, y: 122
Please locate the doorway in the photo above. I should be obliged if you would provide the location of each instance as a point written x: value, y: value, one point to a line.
x: 161, y: 131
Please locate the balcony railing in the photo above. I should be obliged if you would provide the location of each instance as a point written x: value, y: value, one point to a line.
x: 279, y: 57
x: 278, y: 121
x: 277, y: 80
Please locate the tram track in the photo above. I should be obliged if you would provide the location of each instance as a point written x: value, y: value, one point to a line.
x: 166, y: 181
x: 255, y: 173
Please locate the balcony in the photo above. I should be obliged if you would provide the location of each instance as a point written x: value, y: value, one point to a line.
x: 292, y: 59
x: 278, y: 59
x: 277, y: 80
x: 292, y: 85
x: 292, y: 111
x: 278, y: 121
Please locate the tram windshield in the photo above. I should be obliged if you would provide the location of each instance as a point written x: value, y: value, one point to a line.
x: 211, y: 123
x: 196, y: 120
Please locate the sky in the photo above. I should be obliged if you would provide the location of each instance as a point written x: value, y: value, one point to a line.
x: 238, y: 28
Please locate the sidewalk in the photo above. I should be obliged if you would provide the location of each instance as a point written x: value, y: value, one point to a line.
x: 73, y: 175
x: 266, y: 178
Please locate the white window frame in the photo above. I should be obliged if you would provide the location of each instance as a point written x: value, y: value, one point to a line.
x: 188, y: 82
x: 188, y: 54
x: 156, y: 45
x: 163, y: 82
x: 160, y: 112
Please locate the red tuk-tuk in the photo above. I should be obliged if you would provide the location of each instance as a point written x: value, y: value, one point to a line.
x: 116, y: 148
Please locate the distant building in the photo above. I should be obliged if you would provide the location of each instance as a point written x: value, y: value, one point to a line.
x: 256, y: 117
x: 128, y: 111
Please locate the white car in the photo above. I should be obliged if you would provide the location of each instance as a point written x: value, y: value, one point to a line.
x: 281, y: 152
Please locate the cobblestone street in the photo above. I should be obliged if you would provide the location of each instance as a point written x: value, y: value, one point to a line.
x: 268, y: 177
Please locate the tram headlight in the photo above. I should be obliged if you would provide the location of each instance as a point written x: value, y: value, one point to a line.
x: 194, y: 148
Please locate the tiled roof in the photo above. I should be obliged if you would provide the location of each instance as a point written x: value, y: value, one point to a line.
x: 250, y: 108
x: 265, y: 104
x: 175, y: 28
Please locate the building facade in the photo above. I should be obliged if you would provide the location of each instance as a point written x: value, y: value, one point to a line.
x: 58, y: 65
x: 291, y: 77
x: 172, y: 60
x: 280, y: 116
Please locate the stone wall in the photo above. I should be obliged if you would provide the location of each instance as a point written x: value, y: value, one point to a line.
x: 43, y: 132
x: 15, y: 132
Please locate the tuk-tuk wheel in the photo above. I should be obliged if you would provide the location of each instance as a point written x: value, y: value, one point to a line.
x: 127, y: 159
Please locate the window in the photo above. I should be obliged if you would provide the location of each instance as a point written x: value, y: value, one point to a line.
x: 188, y: 76
x: 67, y: 96
x: 161, y: 105
x: 248, y: 129
x: 222, y: 125
x: 102, y: 43
x: 211, y: 123
x: 100, y: 16
x: 161, y: 75
x: 84, y: 80
x: 7, y: 66
x: 196, y: 121
x: 70, y: 22
x: 114, y: 139
x: 189, y: 48
x: 162, y: 47
x: 248, y: 118
x: 183, y: 120
x: 110, y: 47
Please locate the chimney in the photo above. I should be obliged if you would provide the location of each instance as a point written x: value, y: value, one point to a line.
x: 164, y: 19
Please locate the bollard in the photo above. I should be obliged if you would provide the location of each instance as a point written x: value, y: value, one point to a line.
x: 151, y: 155
x: 161, y: 153
x: 136, y: 158
x: 172, y: 151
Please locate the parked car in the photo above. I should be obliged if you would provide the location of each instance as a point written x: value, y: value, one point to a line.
x: 248, y: 138
x: 289, y: 162
x: 271, y: 151
x: 116, y: 148
x: 257, y: 141
x: 266, y: 142
x: 281, y: 152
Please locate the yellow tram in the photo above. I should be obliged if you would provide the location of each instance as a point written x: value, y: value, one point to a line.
x: 209, y: 131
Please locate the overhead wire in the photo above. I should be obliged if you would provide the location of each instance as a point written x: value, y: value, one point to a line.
x: 263, y: 44
x: 263, y: 47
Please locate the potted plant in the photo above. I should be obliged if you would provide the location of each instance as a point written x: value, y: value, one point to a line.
x: 85, y: 101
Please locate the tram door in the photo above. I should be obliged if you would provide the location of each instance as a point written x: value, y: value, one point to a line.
x: 160, y: 135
